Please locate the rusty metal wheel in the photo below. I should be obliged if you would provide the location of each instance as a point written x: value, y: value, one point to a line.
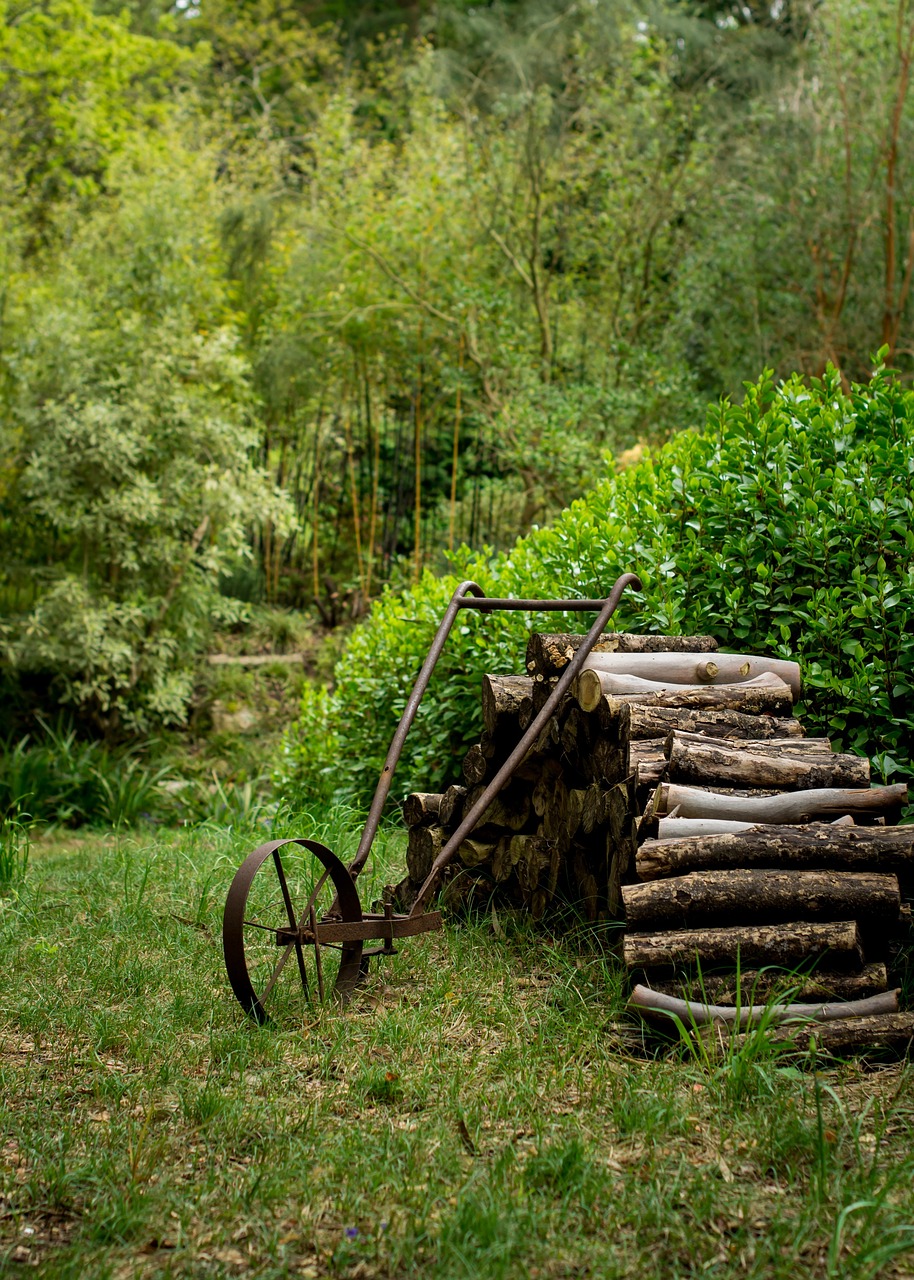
x: 272, y: 957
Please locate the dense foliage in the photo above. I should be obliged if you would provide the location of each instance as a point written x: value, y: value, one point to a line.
x: 785, y: 527
x: 298, y: 297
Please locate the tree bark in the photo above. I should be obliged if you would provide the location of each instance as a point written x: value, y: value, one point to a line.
x: 648, y: 762
x: 452, y: 802
x: 689, y: 668
x: 756, y: 985
x: 768, y: 896
x: 502, y: 698
x: 660, y: 722
x: 781, y: 944
x: 422, y: 848
x: 684, y: 828
x: 510, y: 808
x: 796, y: 806
x: 765, y: 695
x: 693, y: 759
x: 814, y: 846
x: 661, y: 1007
x: 887, y: 1031
x: 421, y: 808
x: 548, y: 655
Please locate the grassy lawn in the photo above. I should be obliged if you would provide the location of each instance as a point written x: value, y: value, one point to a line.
x: 482, y: 1109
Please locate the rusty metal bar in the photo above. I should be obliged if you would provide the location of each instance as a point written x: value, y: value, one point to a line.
x: 469, y: 595
x: 607, y: 608
x: 409, y: 714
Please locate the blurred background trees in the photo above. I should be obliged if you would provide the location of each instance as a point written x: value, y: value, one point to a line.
x: 299, y: 297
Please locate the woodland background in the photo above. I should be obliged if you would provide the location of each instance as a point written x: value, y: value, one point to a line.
x: 301, y: 301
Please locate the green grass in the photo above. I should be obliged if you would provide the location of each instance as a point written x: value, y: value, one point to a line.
x: 482, y: 1109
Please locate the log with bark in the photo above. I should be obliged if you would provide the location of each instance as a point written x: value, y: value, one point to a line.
x: 502, y: 699
x: 796, y: 806
x: 787, y: 945
x: 660, y: 722
x: 422, y: 848
x: 421, y: 808
x: 452, y: 802
x: 752, y: 986
x: 685, y: 828
x: 710, y: 761
x: 548, y: 655
x: 813, y: 846
x: 884, y: 1032
x: 661, y: 1007
x: 510, y: 809
x: 688, y: 669
x: 715, y: 897
x: 765, y: 695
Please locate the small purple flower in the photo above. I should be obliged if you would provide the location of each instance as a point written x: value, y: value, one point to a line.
x: 351, y: 1233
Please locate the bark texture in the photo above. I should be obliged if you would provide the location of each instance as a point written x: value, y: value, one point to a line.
x: 780, y: 944
x: 718, y: 897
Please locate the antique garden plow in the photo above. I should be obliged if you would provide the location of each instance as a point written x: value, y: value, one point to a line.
x: 293, y: 918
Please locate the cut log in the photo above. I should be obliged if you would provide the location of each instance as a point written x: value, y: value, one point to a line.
x: 548, y: 655
x: 781, y: 944
x: 510, y: 808
x: 693, y: 759
x: 451, y: 810
x: 474, y: 853
x: 502, y: 698
x: 765, y: 695
x: 796, y: 806
x: 422, y: 848
x: 421, y: 808
x: 774, y: 748
x: 815, y: 846
x: 757, y: 985
x: 534, y: 865
x: 660, y: 722
x: 685, y: 828
x: 657, y: 1005
x: 891, y: 1032
x: 718, y: 897
x: 648, y: 761
x: 686, y: 668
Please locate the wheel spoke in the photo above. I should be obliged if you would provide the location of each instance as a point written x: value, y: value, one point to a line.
x: 285, y: 889
x: 276, y: 972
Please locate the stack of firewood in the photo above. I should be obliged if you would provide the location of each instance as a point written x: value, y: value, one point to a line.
x: 760, y: 850
x: 563, y: 829
x: 674, y: 786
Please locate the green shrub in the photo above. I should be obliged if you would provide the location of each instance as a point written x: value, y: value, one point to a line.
x: 785, y: 526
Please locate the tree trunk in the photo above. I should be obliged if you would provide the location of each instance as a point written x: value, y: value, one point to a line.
x: 815, y: 846
x: 660, y: 722
x: 719, y: 897
x: 548, y: 655
x: 782, y: 944
x: 661, y: 1007
x: 502, y: 698
x: 765, y: 695
x: 797, y: 806
x: 710, y: 761
x: 421, y: 808
x: 687, y: 668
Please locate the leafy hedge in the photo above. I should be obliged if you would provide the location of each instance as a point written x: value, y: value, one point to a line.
x: 784, y: 527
